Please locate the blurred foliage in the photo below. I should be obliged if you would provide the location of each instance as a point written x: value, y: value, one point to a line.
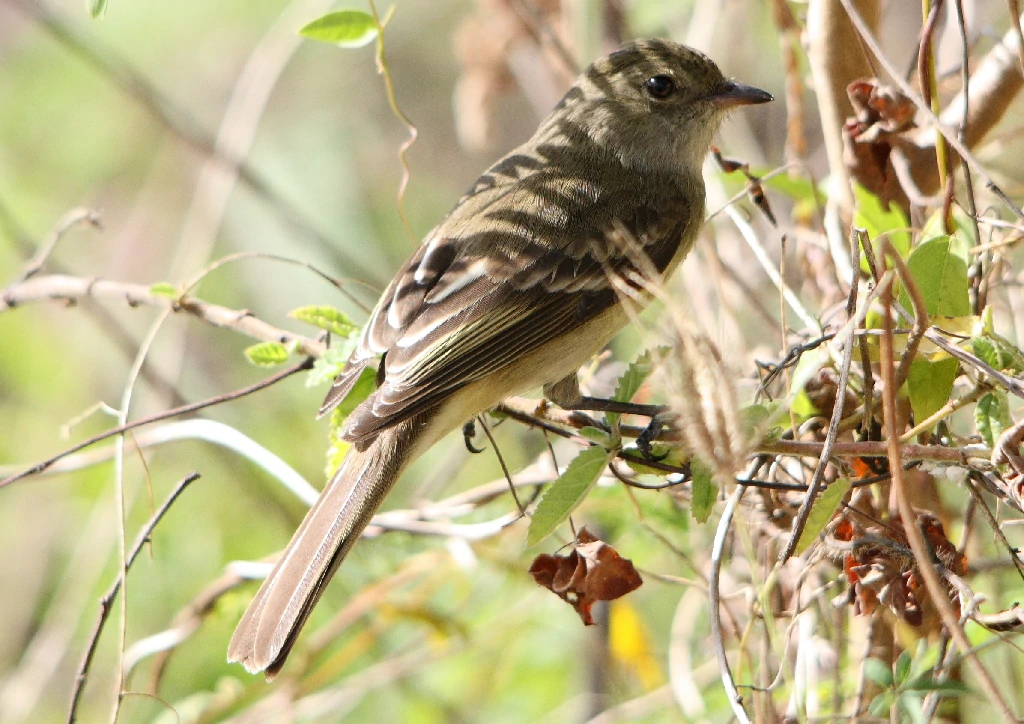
x: 456, y: 630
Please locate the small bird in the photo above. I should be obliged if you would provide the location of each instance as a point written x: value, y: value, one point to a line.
x: 517, y: 287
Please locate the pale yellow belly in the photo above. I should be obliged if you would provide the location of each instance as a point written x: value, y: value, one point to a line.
x: 552, y: 362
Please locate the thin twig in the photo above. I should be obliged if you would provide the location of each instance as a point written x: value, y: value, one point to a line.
x: 909, y: 92
x: 183, y: 410
x: 389, y: 86
x: 1014, y: 8
x: 715, y: 598
x: 66, y: 222
x: 920, y: 311
x: 977, y: 287
x: 915, y: 538
x: 73, y: 289
x: 1012, y: 385
x: 105, y: 602
x: 501, y: 462
x: 800, y: 520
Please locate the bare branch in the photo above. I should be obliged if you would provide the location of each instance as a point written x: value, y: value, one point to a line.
x: 74, y: 289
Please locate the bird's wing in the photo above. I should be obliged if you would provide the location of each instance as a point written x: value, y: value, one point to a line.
x: 528, y: 254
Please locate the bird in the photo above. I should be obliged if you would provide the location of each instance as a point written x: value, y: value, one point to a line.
x: 515, y: 289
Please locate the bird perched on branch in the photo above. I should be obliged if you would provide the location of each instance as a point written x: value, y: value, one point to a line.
x: 533, y: 272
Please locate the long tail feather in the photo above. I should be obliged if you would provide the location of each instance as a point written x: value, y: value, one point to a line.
x: 270, y: 626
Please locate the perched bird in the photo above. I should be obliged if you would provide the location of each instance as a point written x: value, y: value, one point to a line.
x: 516, y: 288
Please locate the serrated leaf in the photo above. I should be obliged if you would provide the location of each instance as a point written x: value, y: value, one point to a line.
x: 703, y: 491
x: 992, y: 416
x: 164, y: 289
x: 822, y: 512
x: 929, y: 385
x: 878, y: 671
x: 345, y: 28
x: 565, y: 494
x: 333, y: 320
x: 267, y: 354
x: 631, y: 382
x: 596, y: 434
x: 998, y: 353
x: 941, y: 276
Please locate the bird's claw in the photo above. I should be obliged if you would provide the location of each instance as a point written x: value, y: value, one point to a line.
x: 648, y: 436
x: 468, y: 433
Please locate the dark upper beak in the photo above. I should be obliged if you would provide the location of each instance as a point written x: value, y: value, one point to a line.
x: 737, y: 94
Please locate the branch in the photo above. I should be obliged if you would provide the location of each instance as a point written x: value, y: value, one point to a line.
x: 73, y: 289
x: 108, y: 597
x: 991, y: 90
x: 184, y: 409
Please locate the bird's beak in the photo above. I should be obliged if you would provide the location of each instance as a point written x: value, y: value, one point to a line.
x: 737, y: 94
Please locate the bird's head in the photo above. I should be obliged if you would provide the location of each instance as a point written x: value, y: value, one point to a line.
x: 655, y: 104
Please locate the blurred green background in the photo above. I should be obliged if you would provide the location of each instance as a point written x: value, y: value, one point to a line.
x: 471, y: 638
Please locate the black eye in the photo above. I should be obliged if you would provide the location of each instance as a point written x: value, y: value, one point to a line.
x: 660, y: 86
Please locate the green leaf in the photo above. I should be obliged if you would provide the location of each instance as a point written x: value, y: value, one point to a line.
x: 940, y: 273
x: 799, y: 402
x: 877, y: 221
x: 803, y: 408
x: 756, y: 422
x: 631, y: 382
x: 902, y: 668
x: 925, y: 682
x: 362, y: 389
x: 267, y: 354
x: 998, y: 353
x: 346, y: 29
x: 563, y: 495
x: 963, y: 229
x: 930, y: 384
x: 596, y: 434
x: 878, y: 671
x: 97, y: 8
x: 164, y: 289
x: 674, y: 455
x: 331, y: 362
x: 798, y: 188
x: 881, y: 704
x: 992, y: 416
x: 333, y: 320
x: 822, y: 511
x: 703, y: 491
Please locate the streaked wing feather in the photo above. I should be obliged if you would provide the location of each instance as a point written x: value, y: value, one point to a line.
x: 478, y: 295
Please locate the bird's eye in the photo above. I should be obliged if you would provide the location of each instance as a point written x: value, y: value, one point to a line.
x: 660, y: 86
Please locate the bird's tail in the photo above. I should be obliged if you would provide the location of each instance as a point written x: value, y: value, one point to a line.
x: 272, y: 623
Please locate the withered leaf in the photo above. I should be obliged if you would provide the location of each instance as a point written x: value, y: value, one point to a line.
x: 593, y: 571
